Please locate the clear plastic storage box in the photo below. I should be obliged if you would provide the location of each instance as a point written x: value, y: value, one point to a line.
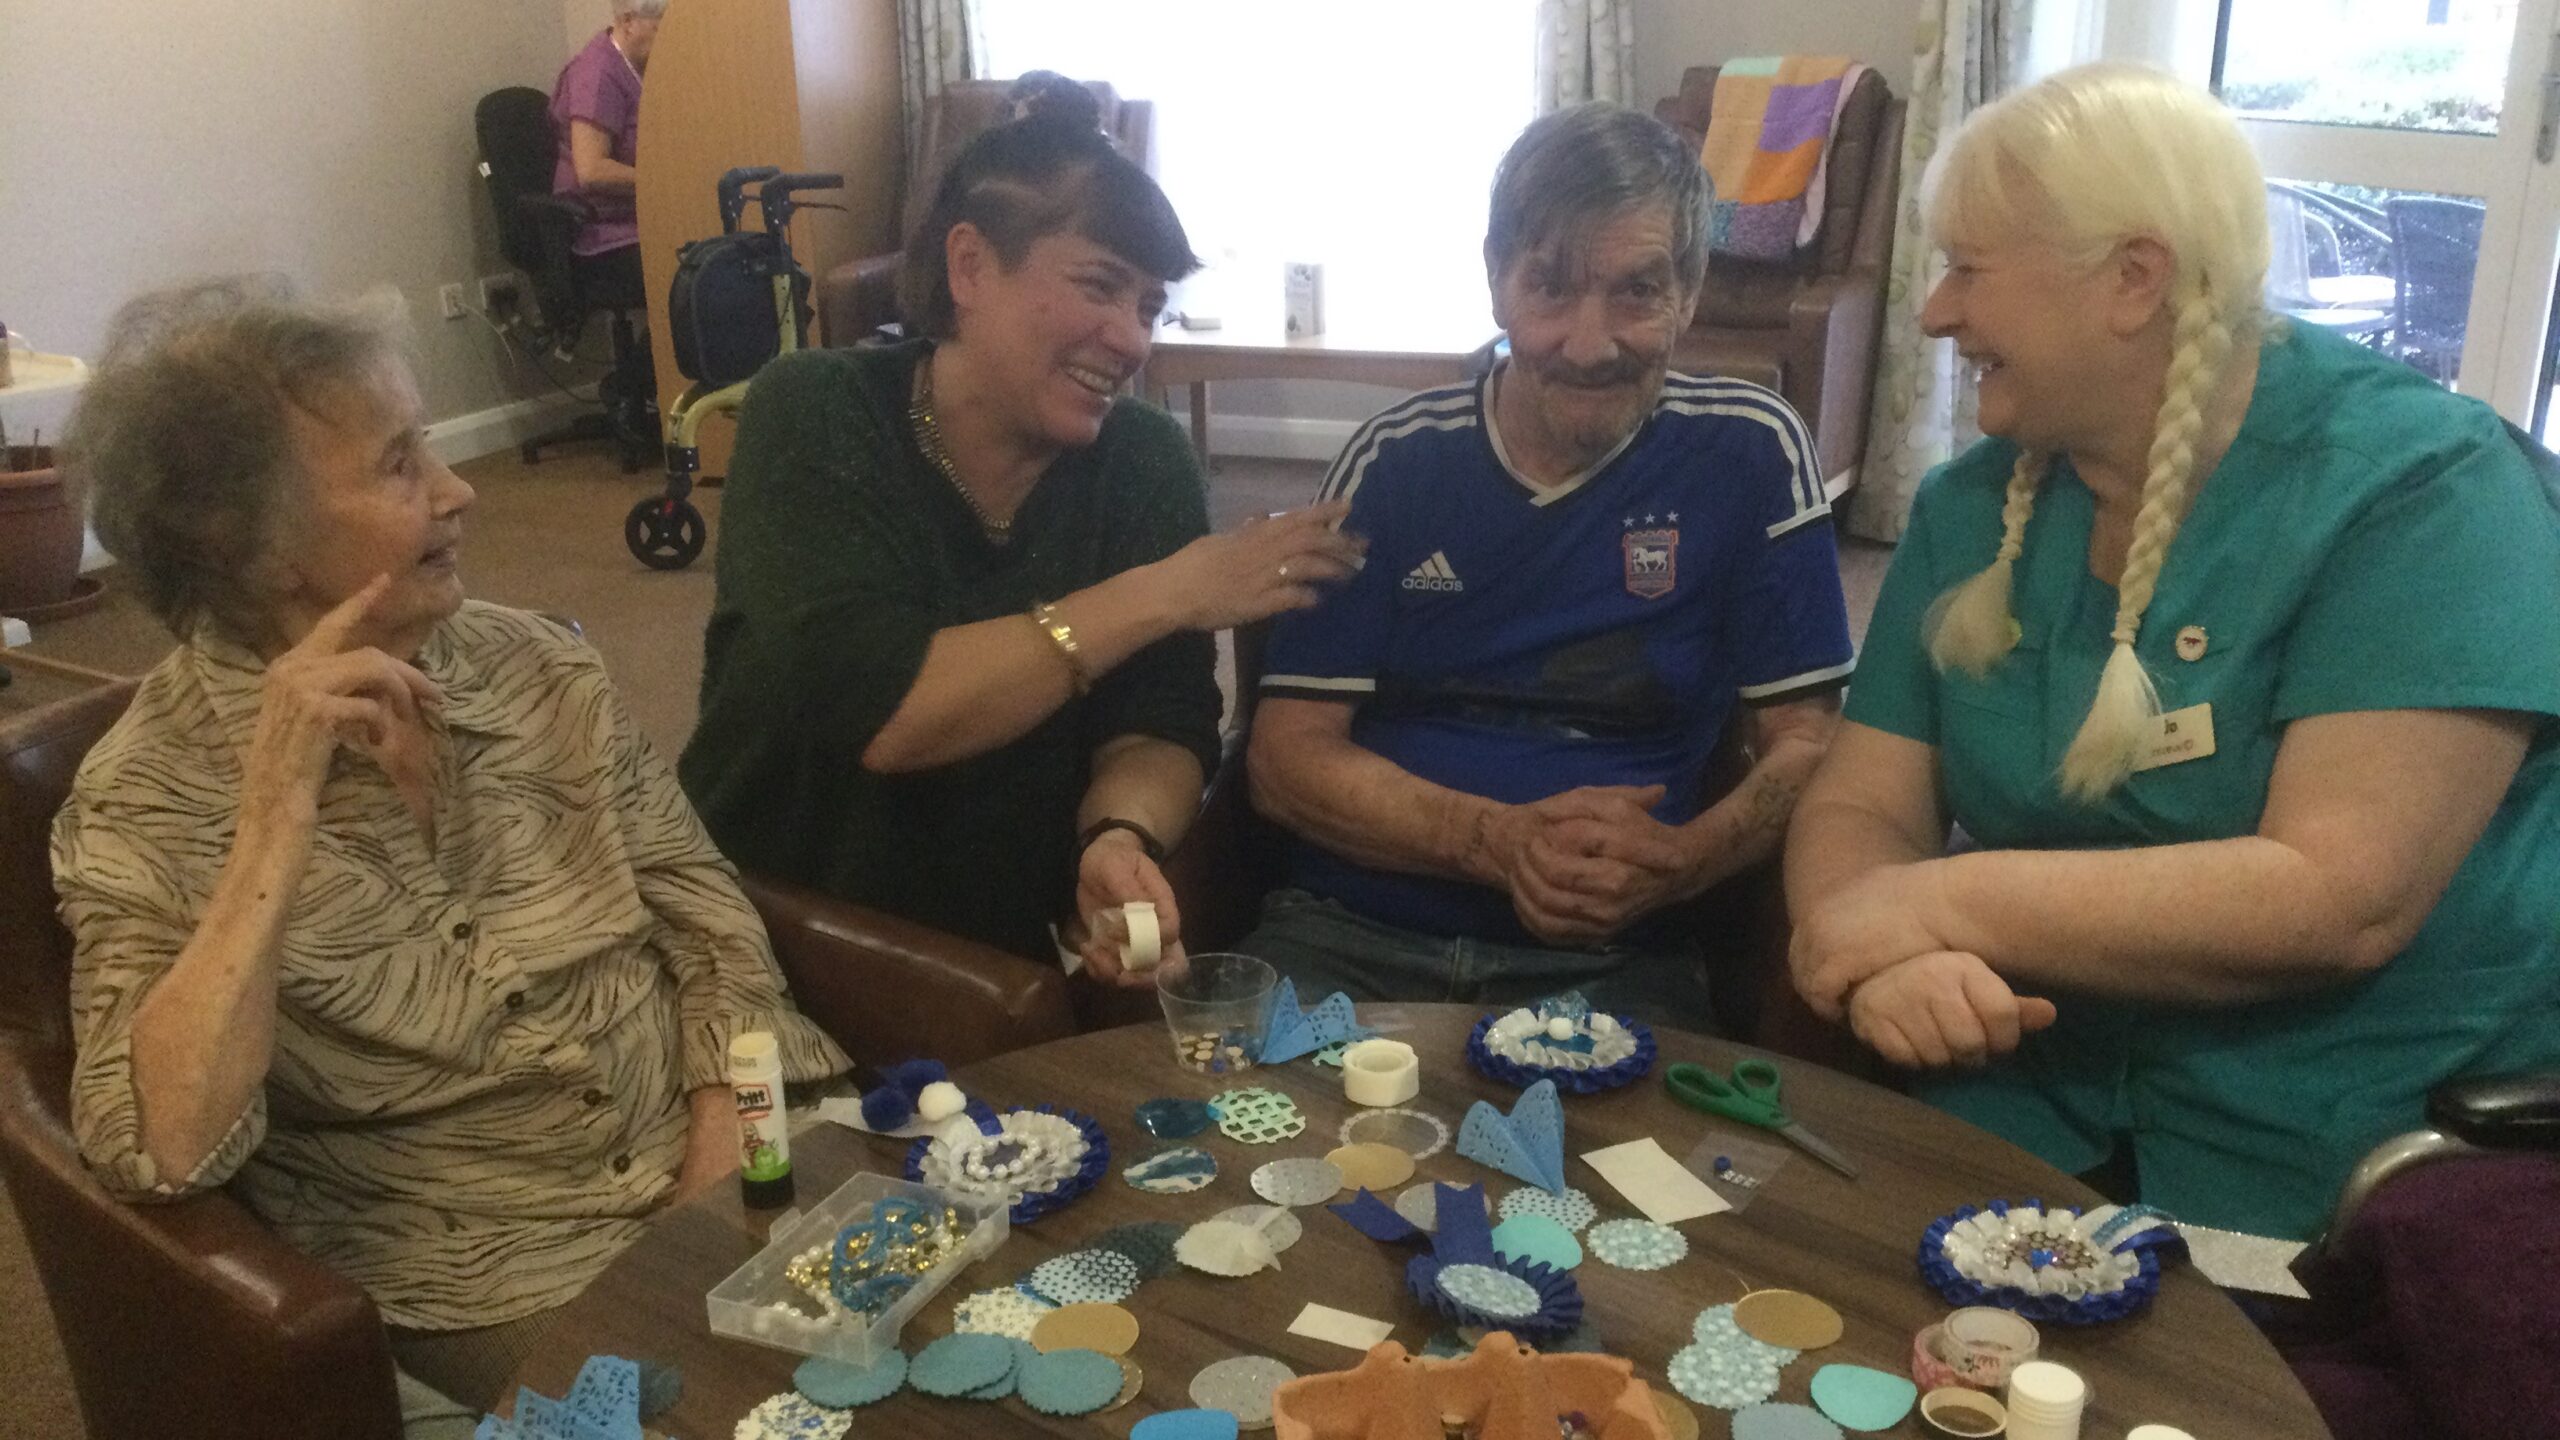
x: 758, y: 1302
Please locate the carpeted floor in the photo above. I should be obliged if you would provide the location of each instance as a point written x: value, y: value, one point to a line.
x: 544, y: 537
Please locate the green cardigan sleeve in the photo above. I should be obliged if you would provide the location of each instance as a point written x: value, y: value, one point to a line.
x: 1168, y: 690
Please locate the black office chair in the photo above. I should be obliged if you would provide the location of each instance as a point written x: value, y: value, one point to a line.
x: 518, y: 150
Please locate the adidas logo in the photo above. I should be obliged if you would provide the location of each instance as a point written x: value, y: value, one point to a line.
x: 1433, y: 574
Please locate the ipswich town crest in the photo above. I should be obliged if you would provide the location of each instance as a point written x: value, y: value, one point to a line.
x: 1653, y: 562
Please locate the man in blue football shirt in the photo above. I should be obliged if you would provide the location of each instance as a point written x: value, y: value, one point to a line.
x: 1491, y: 744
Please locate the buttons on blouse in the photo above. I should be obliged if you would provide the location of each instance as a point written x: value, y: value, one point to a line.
x: 461, y: 929
x: 515, y: 999
x: 621, y: 1164
x: 593, y: 1097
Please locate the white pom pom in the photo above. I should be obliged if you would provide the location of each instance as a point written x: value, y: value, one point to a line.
x: 1603, y: 1024
x: 1559, y: 1028
x: 940, y: 1101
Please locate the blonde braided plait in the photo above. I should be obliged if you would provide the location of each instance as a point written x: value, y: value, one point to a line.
x: 1972, y: 626
x: 2120, y: 720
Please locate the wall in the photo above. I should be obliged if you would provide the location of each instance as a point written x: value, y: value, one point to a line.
x: 330, y: 142
x: 1312, y: 419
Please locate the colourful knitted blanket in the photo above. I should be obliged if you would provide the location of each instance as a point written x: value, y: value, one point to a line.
x: 1768, y: 137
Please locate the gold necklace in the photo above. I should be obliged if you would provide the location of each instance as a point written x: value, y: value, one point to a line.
x: 929, y: 439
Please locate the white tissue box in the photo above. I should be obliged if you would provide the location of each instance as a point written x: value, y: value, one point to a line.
x: 1302, y: 292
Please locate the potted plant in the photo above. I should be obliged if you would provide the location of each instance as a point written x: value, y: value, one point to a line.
x: 41, y: 528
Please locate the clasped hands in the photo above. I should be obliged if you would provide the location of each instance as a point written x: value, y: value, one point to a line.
x: 1583, y: 865
x: 1881, y: 953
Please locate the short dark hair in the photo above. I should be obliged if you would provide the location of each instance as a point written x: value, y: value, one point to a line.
x: 1038, y: 176
x: 1050, y: 94
x: 184, y: 435
x: 1575, y: 169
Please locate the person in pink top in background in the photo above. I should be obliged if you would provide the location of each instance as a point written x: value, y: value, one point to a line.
x: 595, y: 113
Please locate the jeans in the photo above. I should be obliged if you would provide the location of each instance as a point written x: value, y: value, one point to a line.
x: 1324, y: 946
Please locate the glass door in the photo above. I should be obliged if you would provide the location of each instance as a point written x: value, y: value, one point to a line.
x: 2408, y: 147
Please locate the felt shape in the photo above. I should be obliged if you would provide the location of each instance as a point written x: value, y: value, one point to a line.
x: 661, y: 1386
x: 1568, y: 1207
x: 1002, y: 1385
x: 1105, y: 1328
x: 893, y: 1102
x: 1242, y: 1387
x: 1721, y: 1379
x: 1373, y: 1217
x: 1187, y: 1425
x: 1289, y: 1032
x: 1465, y: 1232
x: 791, y: 1416
x: 1177, y: 1171
x: 1147, y: 1243
x: 1636, y: 1244
x: 1538, y: 1240
x: 840, y: 1386
x: 1527, y: 1144
x: 1223, y: 1247
x: 1278, y: 1223
x: 1420, y: 1206
x: 1863, y: 1399
x: 1175, y: 1119
x: 1068, y: 1382
x: 1256, y: 1116
x: 1299, y: 1181
x: 1086, y: 1277
x: 957, y: 1364
x: 1782, y: 1422
x: 1009, y: 1313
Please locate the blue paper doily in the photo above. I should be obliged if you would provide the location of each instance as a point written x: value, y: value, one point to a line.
x: 1036, y: 1203
x: 1961, y: 1290
x: 1580, y: 1082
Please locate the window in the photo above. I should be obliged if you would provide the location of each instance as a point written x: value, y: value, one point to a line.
x: 1359, y: 134
x: 2390, y: 64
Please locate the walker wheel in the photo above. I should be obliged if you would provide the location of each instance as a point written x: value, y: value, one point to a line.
x: 665, y: 534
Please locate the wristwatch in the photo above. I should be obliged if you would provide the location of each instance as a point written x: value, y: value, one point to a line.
x: 1099, y: 828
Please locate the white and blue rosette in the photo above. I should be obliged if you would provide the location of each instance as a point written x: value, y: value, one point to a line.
x: 1036, y: 1160
x: 2056, y: 1264
x: 1597, y: 1051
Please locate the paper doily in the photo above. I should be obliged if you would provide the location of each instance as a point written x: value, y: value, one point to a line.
x: 791, y: 1416
x: 1725, y: 1379
x: 1242, y: 1387
x: 1494, y: 1292
x: 1302, y: 1180
x: 1568, y: 1207
x: 1177, y: 1171
x: 1086, y: 1277
x: 1636, y: 1244
x: 1417, y: 1133
x: 1009, y: 1313
x: 1258, y: 1116
x: 1278, y: 1223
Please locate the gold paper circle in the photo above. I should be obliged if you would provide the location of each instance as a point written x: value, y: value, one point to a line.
x: 1106, y: 1328
x: 1371, y: 1167
x: 1679, y: 1422
x: 1789, y: 1319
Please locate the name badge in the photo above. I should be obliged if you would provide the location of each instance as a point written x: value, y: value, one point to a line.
x: 2177, y: 737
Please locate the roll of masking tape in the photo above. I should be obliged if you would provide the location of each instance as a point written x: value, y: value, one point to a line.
x: 1145, y: 945
x: 1380, y: 1073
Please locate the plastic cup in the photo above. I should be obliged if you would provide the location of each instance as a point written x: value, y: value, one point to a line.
x: 1216, y: 1006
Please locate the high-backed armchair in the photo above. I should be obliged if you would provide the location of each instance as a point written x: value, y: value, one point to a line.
x: 860, y: 296
x: 193, y: 1318
x: 1806, y: 326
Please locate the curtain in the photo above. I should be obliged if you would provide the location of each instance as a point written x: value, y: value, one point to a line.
x: 1969, y: 53
x: 1586, y: 51
x: 937, y: 44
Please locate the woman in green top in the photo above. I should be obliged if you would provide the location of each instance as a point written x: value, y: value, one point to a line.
x: 2234, y: 651
x: 958, y: 665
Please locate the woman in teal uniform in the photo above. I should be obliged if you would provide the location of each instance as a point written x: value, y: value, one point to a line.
x: 2234, y: 654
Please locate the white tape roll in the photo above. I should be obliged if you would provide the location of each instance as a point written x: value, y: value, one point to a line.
x: 1145, y: 945
x: 1380, y: 1072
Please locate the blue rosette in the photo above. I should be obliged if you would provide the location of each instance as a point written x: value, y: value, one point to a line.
x: 2145, y: 1246
x: 1579, y: 1082
x: 1036, y: 1203
x: 1559, y: 1299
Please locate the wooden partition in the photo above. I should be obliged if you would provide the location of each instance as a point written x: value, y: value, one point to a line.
x: 800, y: 84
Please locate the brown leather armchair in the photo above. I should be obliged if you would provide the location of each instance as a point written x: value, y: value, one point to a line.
x: 860, y: 296
x: 1807, y: 326
x: 194, y: 1319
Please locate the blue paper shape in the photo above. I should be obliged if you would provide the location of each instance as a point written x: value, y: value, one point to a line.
x: 1862, y: 1399
x: 1376, y: 1219
x: 1069, y: 1382
x: 1290, y: 1033
x: 957, y: 1364
x: 1186, y: 1425
x: 606, y: 1397
x: 1464, y: 1236
x: 1539, y: 1239
x: 840, y: 1386
x: 1527, y: 1144
x: 1176, y: 1119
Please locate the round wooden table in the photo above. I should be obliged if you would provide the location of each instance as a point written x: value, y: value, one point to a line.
x: 2191, y: 1359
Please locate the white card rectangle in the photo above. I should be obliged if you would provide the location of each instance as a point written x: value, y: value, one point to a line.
x: 1654, y: 1183
x: 1340, y: 1327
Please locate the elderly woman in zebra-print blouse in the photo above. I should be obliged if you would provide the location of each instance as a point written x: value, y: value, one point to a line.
x: 385, y: 913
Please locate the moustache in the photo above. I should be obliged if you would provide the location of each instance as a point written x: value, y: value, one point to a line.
x: 1593, y: 377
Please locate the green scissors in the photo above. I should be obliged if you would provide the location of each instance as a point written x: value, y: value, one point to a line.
x: 1750, y: 1096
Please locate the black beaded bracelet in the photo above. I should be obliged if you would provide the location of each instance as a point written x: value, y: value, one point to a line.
x: 1099, y: 828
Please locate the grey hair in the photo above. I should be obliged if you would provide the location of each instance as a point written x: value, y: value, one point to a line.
x: 639, y: 9
x: 1574, y: 170
x: 184, y: 435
